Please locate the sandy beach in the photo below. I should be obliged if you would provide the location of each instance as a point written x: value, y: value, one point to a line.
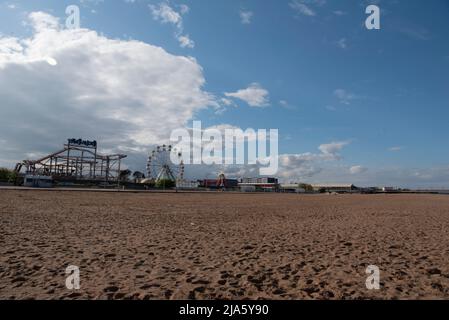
x: 222, y: 246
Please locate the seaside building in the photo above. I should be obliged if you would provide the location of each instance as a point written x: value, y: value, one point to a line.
x: 187, y: 185
x: 338, y: 188
x: 291, y: 188
x: 259, y: 184
x: 218, y: 183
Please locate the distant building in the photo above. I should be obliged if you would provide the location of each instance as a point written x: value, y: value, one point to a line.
x: 247, y: 188
x: 38, y: 181
x: 291, y: 188
x: 216, y: 183
x: 338, y: 188
x: 388, y: 189
x: 187, y: 185
x: 370, y: 190
x: 259, y: 184
x: 265, y: 180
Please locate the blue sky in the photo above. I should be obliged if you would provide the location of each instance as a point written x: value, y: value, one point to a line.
x: 384, y: 93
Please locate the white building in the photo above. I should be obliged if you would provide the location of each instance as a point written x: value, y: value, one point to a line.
x: 264, y: 184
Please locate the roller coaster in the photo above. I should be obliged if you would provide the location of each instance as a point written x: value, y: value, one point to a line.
x: 79, y: 160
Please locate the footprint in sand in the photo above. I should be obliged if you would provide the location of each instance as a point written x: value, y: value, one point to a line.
x: 112, y: 289
x: 222, y: 282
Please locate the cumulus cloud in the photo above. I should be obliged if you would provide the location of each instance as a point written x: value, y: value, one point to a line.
x: 331, y: 150
x: 304, y: 166
x: 254, y: 95
x: 42, y: 21
x: 298, y: 166
x: 126, y: 94
x: 292, y: 167
x: 164, y: 13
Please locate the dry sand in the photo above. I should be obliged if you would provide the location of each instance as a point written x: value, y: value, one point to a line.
x: 226, y: 246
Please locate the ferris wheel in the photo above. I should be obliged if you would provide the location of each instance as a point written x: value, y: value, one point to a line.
x: 160, y: 167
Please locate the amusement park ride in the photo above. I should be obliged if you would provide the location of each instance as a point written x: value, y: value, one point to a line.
x: 160, y: 168
x: 77, y: 161
x: 80, y: 163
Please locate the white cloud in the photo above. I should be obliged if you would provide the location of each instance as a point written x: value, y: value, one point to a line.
x: 395, y: 149
x: 223, y: 104
x: 344, y: 96
x: 323, y: 168
x: 304, y: 166
x: 284, y: 104
x: 246, y: 17
x: 357, y: 170
x: 292, y: 167
x: 42, y: 21
x: 164, y: 13
x: 254, y: 95
x: 10, y: 45
x: 306, y: 7
x: 186, y: 42
x: 332, y: 149
x: 122, y: 93
x: 302, y: 8
x: 227, y: 102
